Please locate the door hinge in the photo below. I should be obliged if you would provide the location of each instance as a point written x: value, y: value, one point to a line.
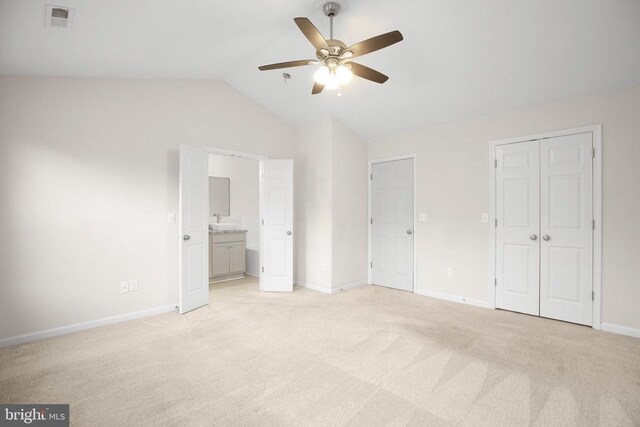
x: 263, y: 269
x: 371, y: 177
x: 594, y: 224
x: 263, y: 221
x: 495, y: 282
x: 495, y: 163
x: 371, y: 220
x: 496, y: 222
x: 594, y: 152
x: 371, y: 264
x: 593, y: 296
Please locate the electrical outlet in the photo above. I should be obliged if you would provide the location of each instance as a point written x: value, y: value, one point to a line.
x: 323, y: 267
x: 133, y: 286
x: 422, y: 217
x: 449, y: 272
x: 171, y: 218
x: 484, y: 218
x: 124, y: 287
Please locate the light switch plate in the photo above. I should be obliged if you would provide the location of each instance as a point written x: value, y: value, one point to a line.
x: 422, y: 217
x: 171, y: 218
x: 133, y: 286
x: 124, y: 287
x: 484, y: 218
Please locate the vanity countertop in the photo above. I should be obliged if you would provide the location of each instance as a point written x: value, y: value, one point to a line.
x: 226, y: 231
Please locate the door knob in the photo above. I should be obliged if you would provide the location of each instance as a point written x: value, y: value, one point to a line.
x: 186, y: 237
x: 288, y: 233
x: 533, y: 237
x: 409, y: 232
x: 546, y: 237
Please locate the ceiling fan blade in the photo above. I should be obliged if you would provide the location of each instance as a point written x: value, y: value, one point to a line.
x: 317, y: 88
x: 373, y: 44
x: 287, y: 64
x: 368, y: 73
x: 311, y: 33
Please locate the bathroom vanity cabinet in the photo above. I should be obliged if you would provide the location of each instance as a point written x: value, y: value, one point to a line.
x: 227, y: 255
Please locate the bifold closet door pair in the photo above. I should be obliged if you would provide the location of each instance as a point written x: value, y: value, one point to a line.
x: 544, y: 228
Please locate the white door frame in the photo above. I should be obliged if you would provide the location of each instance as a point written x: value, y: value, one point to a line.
x: 597, y: 210
x: 232, y: 153
x: 411, y: 156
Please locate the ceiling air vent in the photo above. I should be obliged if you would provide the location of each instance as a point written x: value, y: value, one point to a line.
x: 58, y: 16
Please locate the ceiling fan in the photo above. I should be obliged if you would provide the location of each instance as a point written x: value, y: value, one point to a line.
x: 336, y: 58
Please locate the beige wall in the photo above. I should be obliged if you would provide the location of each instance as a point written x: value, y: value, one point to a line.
x: 89, y: 171
x: 244, y: 185
x: 331, y: 205
x: 312, y: 170
x: 349, y: 198
x: 453, y: 188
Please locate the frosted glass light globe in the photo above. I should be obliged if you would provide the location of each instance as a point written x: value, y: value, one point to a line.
x: 333, y: 82
x: 344, y: 74
x: 322, y: 75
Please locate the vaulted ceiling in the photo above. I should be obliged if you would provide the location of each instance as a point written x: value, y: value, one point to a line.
x: 460, y: 59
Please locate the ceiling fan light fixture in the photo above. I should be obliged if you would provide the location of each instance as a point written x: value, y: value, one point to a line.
x: 328, y: 78
x: 322, y: 75
x: 332, y: 83
x: 334, y: 57
x: 344, y: 74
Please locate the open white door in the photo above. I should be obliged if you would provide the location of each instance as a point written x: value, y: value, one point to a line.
x: 276, y: 207
x: 194, y: 228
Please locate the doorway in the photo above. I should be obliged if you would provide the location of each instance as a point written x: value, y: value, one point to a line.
x: 275, y: 226
x: 392, y: 222
x: 546, y: 212
x: 234, y: 218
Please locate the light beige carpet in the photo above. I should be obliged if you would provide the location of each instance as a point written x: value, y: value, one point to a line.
x: 369, y: 356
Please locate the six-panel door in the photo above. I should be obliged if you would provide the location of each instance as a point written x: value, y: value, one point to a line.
x: 392, y: 224
x: 276, y: 253
x: 517, y: 232
x: 566, y: 225
x: 544, y: 230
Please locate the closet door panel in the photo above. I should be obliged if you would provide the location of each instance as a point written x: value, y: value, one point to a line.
x: 517, y: 231
x: 566, y: 206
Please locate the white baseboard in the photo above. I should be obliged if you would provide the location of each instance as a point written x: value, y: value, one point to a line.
x: 323, y: 289
x: 454, y: 298
x: 622, y: 330
x: 34, y: 336
x: 328, y: 290
x: 349, y: 286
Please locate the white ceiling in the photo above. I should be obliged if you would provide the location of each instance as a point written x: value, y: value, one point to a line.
x: 459, y: 59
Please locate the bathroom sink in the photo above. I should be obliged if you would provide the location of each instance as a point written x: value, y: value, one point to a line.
x: 224, y: 227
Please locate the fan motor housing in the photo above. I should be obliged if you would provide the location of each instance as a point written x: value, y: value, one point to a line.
x: 335, y: 49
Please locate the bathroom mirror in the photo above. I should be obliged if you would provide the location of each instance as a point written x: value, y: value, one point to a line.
x: 219, y: 198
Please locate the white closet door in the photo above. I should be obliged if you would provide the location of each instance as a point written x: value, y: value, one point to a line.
x: 392, y: 227
x: 517, y: 239
x: 566, y: 228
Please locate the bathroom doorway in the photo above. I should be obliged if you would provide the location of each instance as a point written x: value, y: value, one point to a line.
x: 216, y: 238
x: 234, y: 218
